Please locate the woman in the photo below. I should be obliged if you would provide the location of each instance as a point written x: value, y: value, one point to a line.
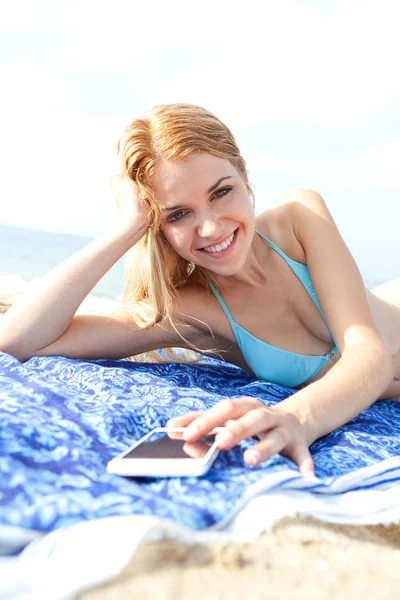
x: 278, y: 295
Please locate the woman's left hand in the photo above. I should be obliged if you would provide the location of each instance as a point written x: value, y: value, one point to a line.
x: 278, y: 431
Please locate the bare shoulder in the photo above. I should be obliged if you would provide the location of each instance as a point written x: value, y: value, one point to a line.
x: 283, y: 221
x: 287, y: 206
x: 302, y: 196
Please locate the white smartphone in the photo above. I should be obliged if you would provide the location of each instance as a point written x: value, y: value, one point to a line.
x: 164, y: 453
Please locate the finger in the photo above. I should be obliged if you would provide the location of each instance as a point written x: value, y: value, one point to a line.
x: 218, y: 415
x: 301, y: 455
x: 195, y: 449
x: 181, y: 421
x: 184, y: 420
x: 256, y: 421
x: 274, y: 442
x: 175, y: 435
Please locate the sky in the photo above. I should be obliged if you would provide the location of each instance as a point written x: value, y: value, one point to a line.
x: 309, y: 88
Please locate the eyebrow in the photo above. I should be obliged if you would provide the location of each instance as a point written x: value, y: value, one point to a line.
x: 214, y: 187
x: 211, y: 189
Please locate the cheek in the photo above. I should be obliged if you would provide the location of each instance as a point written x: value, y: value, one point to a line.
x: 175, y: 237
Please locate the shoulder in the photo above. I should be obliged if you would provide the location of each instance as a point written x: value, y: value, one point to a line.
x: 292, y: 204
x: 289, y: 215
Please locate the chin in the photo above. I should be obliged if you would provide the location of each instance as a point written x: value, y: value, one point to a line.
x: 227, y: 270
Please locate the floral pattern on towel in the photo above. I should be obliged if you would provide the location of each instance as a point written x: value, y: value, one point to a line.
x: 62, y: 420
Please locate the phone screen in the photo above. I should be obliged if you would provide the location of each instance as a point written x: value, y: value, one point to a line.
x: 160, y: 445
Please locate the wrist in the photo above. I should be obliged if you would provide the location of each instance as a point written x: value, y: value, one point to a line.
x: 301, y: 410
x: 131, y: 227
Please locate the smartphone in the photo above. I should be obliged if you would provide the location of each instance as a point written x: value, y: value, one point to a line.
x: 164, y: 453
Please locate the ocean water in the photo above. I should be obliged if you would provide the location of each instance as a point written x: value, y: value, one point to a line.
x: 27, y: 254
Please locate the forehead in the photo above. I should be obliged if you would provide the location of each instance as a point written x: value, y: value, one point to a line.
x: 174, y: 179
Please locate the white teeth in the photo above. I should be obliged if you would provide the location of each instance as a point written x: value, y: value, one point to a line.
x: 222, y: 246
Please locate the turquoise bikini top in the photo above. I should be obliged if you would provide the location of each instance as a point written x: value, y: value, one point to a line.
x: 271, y: 363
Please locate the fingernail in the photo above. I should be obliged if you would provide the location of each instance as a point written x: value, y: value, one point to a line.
x: 225, y: 438
x: 253, y: 457
x: 190, y: 432
x: 309, y: 474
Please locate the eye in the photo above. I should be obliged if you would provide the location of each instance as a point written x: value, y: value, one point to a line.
x: 176, y: 217
x: 222, y: 192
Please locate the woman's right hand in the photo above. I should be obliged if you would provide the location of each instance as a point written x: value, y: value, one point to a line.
x: 278, y: 429
x: 130, y: 207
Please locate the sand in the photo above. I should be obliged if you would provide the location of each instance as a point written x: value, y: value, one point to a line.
x: 299, y: 559
x: 5, y: 302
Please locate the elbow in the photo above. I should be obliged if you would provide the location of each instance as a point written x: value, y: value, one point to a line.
x: 375, y: 361
x: 11, y: 348
x: 5, y: 345
x: 12, y: 342
x: 11, y: 352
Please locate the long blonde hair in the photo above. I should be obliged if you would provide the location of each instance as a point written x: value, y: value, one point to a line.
x: 154, y: 272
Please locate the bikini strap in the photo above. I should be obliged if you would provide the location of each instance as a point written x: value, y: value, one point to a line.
x: 222, y: 303
x: 285, y: 257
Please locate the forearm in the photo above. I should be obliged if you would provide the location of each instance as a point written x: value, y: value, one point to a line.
x: 353, y: 384
x: 46, y: 310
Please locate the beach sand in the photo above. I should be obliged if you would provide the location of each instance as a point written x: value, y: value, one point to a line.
x: 300, y: 559
x: 5, y: 302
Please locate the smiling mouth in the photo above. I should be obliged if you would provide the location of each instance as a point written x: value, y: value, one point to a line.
x: 222, y: 246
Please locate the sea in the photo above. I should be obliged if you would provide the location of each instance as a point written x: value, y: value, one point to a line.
x: 28, y: 254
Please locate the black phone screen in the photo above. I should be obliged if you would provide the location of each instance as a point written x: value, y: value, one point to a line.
x: 160, y: 445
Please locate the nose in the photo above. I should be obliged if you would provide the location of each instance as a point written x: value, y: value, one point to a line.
x: 210, y: 226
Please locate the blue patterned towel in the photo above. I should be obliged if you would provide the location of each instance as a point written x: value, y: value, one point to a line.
x: 63, y: 419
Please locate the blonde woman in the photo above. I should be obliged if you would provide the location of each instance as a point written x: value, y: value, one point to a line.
x: 278, y: 294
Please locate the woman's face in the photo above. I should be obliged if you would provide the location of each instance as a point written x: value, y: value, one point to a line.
x: 207, y: 211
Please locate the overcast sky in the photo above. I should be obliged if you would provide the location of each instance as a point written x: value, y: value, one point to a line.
x: 309, y: 88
